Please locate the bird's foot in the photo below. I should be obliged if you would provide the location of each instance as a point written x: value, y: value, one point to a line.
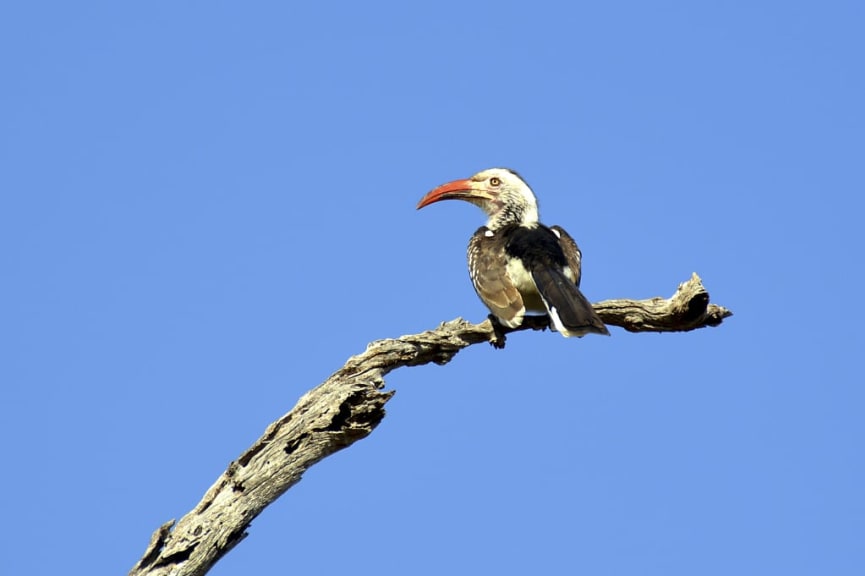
x: 497, y: 340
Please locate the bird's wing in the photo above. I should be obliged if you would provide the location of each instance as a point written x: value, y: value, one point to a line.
x: 553, y: 259
x: 572, y: 252
x: 488, y: 270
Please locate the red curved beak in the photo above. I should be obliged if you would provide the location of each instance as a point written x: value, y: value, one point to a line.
x: 456, y: 190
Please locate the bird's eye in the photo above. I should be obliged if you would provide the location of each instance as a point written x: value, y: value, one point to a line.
x: 495, y: 181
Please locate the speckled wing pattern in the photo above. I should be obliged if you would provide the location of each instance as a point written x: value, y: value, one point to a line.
x: 572, y: 252
x: 488, y: 270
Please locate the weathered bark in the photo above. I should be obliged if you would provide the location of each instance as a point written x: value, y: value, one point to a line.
x: 347, y: 407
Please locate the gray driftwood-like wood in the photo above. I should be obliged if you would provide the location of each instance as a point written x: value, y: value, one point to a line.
x: 347, y: 407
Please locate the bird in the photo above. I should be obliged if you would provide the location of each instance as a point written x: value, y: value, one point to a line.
x: 518, y: 265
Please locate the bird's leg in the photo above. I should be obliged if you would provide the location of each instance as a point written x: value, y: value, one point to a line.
x: 498, y: 338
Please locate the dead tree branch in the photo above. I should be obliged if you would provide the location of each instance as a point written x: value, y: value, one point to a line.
x: 347, y: 407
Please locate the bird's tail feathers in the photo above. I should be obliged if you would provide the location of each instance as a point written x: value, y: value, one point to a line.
x: 570, y: 312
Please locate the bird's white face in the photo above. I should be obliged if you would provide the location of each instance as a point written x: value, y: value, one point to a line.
x: 499, y: 192
x: 506, y: 189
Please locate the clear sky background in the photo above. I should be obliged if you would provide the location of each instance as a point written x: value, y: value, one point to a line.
x: 207, y: 207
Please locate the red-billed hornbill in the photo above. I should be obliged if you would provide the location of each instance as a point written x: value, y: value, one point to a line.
x: 516, y: 263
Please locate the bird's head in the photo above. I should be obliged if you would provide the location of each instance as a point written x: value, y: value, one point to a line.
x: 499, y: 192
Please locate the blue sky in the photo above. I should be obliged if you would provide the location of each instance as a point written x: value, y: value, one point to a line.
x: 207, y: 207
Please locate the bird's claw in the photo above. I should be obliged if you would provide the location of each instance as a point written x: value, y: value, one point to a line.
x: 497, y: 340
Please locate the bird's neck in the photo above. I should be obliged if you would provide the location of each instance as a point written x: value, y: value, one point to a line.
x: 519, y: 214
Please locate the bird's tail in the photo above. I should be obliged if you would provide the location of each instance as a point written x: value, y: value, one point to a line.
x: 571, y: 313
